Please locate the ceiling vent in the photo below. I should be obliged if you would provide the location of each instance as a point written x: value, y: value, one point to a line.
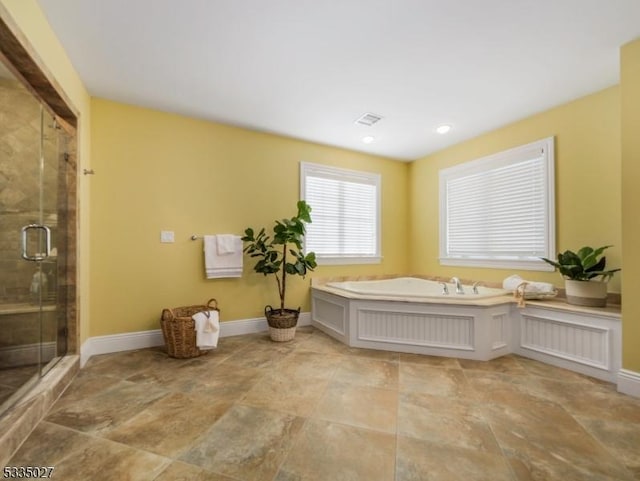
x: 368, y: 119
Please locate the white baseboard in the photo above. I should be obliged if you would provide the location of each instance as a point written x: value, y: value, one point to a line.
x: 629, y: 382
x: 143, y: 339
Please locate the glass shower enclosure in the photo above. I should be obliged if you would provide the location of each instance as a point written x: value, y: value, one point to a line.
x: 33, y: 240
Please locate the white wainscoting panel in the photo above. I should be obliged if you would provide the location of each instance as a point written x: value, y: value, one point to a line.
x: 420, y: 329
x: 581, y: 343
x: 500, y: 331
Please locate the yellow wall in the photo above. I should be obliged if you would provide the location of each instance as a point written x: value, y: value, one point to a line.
x: 157, y: 171
x: 587, y: 157
x: 630, y: 102
x: 29, y: 19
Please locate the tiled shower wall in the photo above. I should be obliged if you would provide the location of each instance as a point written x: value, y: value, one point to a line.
x: 20, y: 149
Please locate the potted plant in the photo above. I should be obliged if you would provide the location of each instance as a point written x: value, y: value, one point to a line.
x: 585, y: 275
x: 281, y: 256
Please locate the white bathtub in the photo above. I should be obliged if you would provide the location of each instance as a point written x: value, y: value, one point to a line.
x: 411, y: 287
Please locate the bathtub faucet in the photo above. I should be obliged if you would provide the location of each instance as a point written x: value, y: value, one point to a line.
x: 459, y: 289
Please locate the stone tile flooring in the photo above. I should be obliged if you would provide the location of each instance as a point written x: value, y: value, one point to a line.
x: 314, y: 409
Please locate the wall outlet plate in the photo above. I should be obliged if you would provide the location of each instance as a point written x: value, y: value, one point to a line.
x: 167, y: 236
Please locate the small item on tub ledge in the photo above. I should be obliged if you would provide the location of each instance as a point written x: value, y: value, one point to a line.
x: 518, y: 293
x: 529, y: 289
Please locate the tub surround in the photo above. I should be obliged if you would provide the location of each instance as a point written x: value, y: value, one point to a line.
x: 583, y: 339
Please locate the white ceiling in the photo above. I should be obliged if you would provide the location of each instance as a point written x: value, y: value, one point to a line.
x: 309, y: 68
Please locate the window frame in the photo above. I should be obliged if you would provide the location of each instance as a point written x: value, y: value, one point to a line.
x: 486, y: 164
x: 308, y: 169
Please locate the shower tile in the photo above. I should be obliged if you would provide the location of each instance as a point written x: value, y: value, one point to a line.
x: 246, y: 443
x: 17, y: 376
x: 170, y: 425
x: 445, y: 421
x: 327, y: 451
x: 419, y: 460
x: 360, y: 406
x: 368, y: 372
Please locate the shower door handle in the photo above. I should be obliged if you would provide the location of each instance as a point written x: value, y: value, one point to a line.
x: 38, y: 256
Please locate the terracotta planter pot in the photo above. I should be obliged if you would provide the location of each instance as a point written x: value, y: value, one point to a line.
x: 586, y: 293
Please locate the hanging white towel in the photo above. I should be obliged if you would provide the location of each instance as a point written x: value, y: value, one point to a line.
x: 226, y: 244
x: 226, y: 265
x: 207, y: 329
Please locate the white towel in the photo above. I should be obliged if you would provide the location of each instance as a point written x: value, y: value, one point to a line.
x: 226, y: 244
x: 511, y: 283
x: 207, y: 329
x: 227, y: 265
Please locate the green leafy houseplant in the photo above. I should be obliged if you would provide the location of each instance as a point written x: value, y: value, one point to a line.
x: 585, y: 275
x: 587, y: 264
x: 281, y: 254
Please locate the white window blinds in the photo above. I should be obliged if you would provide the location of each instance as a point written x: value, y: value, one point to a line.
x: 345, y: 214
x: 498, y: 211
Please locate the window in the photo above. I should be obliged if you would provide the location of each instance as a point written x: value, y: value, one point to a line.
x: 499, y: 211
x: 345, y: 213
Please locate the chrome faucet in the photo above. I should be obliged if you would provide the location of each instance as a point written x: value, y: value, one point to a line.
x: 459, y: 289
x: 445, y: 289
x: 475, y: 287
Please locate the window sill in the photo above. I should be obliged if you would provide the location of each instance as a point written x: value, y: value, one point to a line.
x: 532, y: 265
x: 337, y: 261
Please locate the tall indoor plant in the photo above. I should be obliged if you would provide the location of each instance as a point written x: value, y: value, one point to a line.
x: 585, y: 275
x: 281, y: 256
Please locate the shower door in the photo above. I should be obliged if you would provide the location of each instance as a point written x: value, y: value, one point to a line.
x: 33, y: 241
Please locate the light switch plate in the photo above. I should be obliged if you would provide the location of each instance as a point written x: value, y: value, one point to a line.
x: 167, y: 236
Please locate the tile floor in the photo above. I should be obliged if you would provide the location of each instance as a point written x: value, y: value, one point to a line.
x: 314, y: 409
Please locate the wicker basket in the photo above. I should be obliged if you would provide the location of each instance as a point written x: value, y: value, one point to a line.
x: 178, y: 329
x: 282, y: 323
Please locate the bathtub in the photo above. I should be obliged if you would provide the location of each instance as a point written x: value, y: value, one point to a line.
x: 414, y: 315
x: 411, y: 287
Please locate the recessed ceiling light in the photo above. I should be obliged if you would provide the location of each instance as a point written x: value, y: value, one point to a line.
x: 367, y: 139
x: 443, y: 129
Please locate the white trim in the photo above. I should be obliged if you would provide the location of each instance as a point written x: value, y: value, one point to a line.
x: 143, y: 339
x: 629, y: 382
